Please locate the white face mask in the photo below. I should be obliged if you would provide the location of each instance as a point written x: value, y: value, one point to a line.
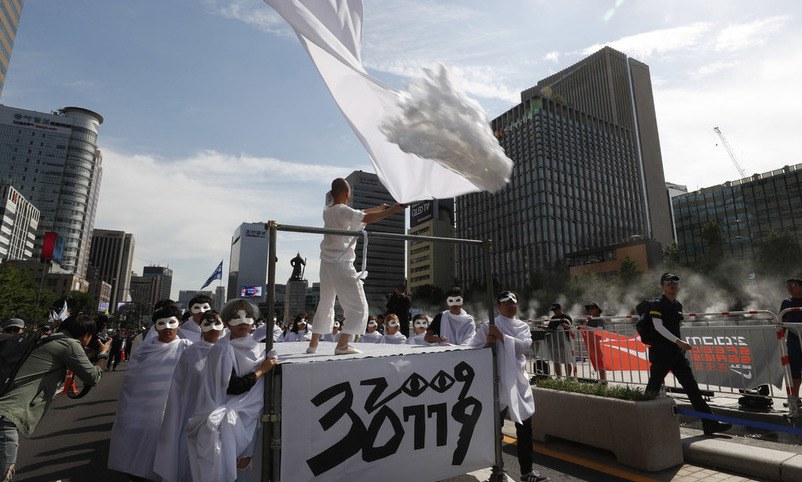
x: 242, y: 317
x: 421, y: 324
x: 454, y: 301
x: 166, y: 323
x: 209, y: 325
x: 394, y: 324
x: 337, y: 325
x: 200, y: 308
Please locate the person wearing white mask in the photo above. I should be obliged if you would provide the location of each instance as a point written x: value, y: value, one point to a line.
x: 392, y: 334
x: 335, y: 333
x: 222, y: 433
x: 143, y: 398
x: 299, y: 330
x: 372, y: 334
x: 453, y: 326
x: 512, y: 338
x: 419, y: 324
x: 190, y: 329
x: 172, y: 458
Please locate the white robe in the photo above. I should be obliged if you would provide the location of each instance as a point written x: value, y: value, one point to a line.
x: 190, y: 330
x: 224, y: 426
x: 304, y: 335
x: 417, y: 340
x: 141, y: 407
x: 371, y: 337
x: 397, y: 339
x: 514, y: 390
x: 457, y: 329
x: 172, y: 458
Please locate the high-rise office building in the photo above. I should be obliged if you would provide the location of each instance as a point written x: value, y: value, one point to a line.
x: 747, y: 211
x: 112, y: 254
x: 19, y: 220
x: 247, y: 267
x: 164, y: 281
x: 385, y: 259
x: 143, y: 289
x: 219, y: 298
x: 53, y: 160
x: 185, y: 295
x: 674, y: 190
x: 586, y: 166
x: 431, y: 263
x: 10, y: 11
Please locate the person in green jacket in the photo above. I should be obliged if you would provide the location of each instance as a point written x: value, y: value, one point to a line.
x: 36, y: 383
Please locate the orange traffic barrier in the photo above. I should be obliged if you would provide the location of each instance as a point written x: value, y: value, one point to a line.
x: 69, y: 384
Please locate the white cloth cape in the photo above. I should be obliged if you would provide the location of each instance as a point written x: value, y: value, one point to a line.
x: 397, y: 339
x: 141, y: 406
x: 371, y: 337
x: 331, y: 32
x: 457, y: 329
x: 514, y: 390
x: 172, y: 458
x: 224, y: 426
x: 189, y: 330
x: 417, y: 340
x: 305, y: 335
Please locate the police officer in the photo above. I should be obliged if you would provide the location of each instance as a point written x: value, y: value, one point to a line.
x: 668, y: 351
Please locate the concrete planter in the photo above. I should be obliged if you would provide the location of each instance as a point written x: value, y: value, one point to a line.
x: 643, y: 435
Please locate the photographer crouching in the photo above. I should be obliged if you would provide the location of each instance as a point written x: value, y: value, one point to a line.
x: 36, y: 382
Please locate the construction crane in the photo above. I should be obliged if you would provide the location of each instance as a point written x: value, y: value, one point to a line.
x: 730, y: 152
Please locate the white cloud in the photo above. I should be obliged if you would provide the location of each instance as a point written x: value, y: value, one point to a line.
x: 713, y: 68
x: 552, y: 56
x: 646, y: 44
x: 183, y: 212
x: 748, y: 35
x: 252, y: 12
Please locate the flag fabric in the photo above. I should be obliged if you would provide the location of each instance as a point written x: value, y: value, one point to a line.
x: 331, y: 32
x: 218, y: 274
x: 64, y: 313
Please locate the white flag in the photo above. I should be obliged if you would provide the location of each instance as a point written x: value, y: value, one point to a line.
x: 331, y: 32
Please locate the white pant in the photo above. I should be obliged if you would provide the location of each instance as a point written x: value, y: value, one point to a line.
x: 340, y: 280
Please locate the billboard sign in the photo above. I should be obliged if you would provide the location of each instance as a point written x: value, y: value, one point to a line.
x: 251, y: 291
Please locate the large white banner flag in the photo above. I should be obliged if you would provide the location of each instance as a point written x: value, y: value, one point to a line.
x: 426, y: 416
x: 446, y: 152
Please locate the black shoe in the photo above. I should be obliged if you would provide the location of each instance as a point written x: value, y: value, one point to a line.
x: 711, y: 427
x: 533, y: 477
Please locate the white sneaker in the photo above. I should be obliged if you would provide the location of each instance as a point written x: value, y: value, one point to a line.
x: 348, y: 350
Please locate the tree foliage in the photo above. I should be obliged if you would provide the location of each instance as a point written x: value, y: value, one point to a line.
x: 132, y: 315
x: 77, y: 302
x: 630, y: 271
x: 778, y: 253
x: 428, y: 295
x: 20, y: 296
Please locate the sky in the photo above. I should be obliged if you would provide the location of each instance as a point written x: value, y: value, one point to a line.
x: 215, y: 115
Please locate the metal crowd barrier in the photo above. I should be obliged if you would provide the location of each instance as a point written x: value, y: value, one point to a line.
x: 733, y: 353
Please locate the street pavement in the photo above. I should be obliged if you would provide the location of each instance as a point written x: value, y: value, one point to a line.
x: 72, y: 442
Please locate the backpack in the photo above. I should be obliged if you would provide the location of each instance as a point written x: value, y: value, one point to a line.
x: 644, y: 324
x: 14, y: 350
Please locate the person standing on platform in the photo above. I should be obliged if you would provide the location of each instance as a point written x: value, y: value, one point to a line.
x: 338, y: 278
x: 794, y: 287
x: 399, y: 305
x: 453, y: 326
x: 667, y: 353
x: 513, y: 338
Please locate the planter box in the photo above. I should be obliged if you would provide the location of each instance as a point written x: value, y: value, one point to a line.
x: 644, y: 435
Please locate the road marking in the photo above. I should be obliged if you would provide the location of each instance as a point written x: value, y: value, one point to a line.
x: 621, y: 473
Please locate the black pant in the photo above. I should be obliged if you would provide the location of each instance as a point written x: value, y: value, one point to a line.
x: 671, y: 358
x: 114, y: 359
x: 524, y: 433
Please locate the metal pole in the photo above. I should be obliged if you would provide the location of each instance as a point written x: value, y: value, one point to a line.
x: 498, y: 468
x: 271, y: 425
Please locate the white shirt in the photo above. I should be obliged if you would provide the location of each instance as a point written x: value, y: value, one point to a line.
x: 335, y: 248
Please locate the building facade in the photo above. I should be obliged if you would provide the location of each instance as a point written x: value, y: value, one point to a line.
x: 185, y: 295
x: 247, y: 275
x: 606, y: 261
x: 143, y: 290
x: 10, y: 11
x: 431, y: 263
x: 385, y: 258
x: 746, y: 211
x: 111, y: 255
x: 674, y: 190
x: 54, y: 161
x: 587, y: 173
x: 19, y: 220
x: 164, y: 281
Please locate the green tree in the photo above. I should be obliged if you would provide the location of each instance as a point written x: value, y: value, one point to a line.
x: 630, y: 271
x: 671, y: 259
x: 778, y: 253
x: 713, y: 246
x: 130, y: 315
x: 77, y: 302
x: 20, y: 296
x: 428, y: 295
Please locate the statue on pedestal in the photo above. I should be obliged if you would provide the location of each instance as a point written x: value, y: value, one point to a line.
x: 298, y: 265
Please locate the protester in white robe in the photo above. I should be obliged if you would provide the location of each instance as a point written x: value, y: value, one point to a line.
x: 299, y: 330
x: 419, y: 325
x: 198, y: 305
x: 260, y: 333
x: 172, y: 458
x: 453, y: 326
x: 513, y: 339
x: 335, y: 333
x: 222, y: 433
x: 143, y: 397
x: 392, y: 335
x: 371, y: 334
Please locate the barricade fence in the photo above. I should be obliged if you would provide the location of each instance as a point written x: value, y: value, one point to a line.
x: 734, y: 354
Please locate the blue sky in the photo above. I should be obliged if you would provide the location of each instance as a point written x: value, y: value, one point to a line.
x: 215, y: 115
